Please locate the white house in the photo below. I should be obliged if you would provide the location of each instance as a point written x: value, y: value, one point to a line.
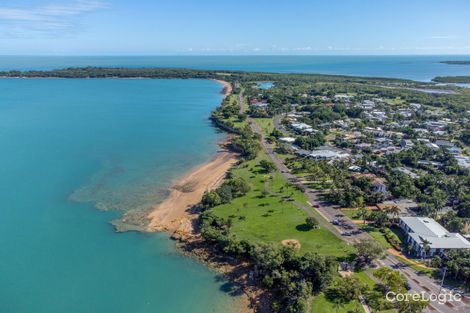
x: 287, y: 139
x: 425, y: 232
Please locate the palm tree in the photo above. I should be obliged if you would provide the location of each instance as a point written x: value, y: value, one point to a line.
x: 393, y: 210
x: 426, y: 247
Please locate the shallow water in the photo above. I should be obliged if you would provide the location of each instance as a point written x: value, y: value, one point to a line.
x: 113, y: 143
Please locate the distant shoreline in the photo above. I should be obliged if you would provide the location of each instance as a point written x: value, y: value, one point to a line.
x: 452, y: 79
x: 456, y: 62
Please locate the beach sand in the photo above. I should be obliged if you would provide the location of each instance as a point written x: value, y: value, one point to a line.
x: 174, y: 214
x: 227, y: 90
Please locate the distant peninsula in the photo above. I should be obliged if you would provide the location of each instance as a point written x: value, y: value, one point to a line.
x: 456, y: 62
x: 452, y: 79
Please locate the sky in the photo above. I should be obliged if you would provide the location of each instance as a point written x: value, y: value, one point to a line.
x: 192, y: 27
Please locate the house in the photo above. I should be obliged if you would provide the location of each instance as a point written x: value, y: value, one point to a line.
x: 378, y: 185
x: 355, y: 168
x: 436, y: 125
x: 415, y: 106
x: 454, y: 150
x: 408, y: 172
x: 463, y: 161
x: 368, y: 104
x: 326, y: 153
x: 287, y: 139
x: 406, y: 144
x: 427, y: 237
x: 382, y: 142
x: 432, y: 145
x: 405, y: 112
x: 259, y: 103
x: 444, y: 143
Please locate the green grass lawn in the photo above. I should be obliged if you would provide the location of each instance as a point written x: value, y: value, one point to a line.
x: 377, y: 235
x: 351, y: 213
x: 321, y: 305
x: 266, y: 125
x: 365, y: 279
x: 274, y: 217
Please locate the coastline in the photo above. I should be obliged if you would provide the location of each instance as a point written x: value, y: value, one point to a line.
x: 227, y: 87
x: 174, y: 214
x: 177, y: 217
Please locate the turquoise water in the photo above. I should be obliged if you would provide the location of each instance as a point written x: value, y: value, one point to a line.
x: 265, y: 85
x: 116, y: 143
x: 414, y: 67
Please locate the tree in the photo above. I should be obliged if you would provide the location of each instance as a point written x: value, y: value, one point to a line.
x: 311, y: 222
x: 225, y: 193
x: 451, y: 222
x: 363, y: 214
x: 267, y: 166
x: 412, y: 306
x: 426, y: 246
x: 367, y: 251
x: 379, y: 218
x: 393, y: 210
x: 345, y: 289
x: 210, y: 199
x: 393, y: 280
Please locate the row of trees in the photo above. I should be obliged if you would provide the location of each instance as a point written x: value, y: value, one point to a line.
x: 231, y: 188
x: 457, y: 263
x: 247, y: 143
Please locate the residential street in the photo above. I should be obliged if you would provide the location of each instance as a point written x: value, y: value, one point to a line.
x: 419, y: 283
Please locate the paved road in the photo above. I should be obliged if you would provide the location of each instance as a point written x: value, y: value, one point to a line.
x: 419, y: 283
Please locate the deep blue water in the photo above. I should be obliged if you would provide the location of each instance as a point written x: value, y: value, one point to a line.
x: 422, y: 68
x: 70, y: 145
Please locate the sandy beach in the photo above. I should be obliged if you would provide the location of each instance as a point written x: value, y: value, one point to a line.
x: 227, y: 90
x: 174, y: 213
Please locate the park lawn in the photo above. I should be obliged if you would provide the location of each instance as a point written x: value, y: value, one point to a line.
x: 365, y: 279
x: 351, y: 213
x: 275, y: 217
x: 379, y: 236
x: 266, y: 125
x: 321, y: 305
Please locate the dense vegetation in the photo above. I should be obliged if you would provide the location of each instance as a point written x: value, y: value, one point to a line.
x: 452, y: 79
x: 456, y: 62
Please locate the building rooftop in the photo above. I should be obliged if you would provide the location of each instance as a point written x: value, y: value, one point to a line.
x: 424, y: 228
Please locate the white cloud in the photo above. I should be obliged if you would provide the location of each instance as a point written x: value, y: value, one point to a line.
x: 443, y: 37
x: 21, y: 21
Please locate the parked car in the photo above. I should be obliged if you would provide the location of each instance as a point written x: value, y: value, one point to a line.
x: 407, y: 286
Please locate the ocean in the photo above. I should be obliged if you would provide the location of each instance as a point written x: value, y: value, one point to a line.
x: 70, y: 146
x: 422, y: 68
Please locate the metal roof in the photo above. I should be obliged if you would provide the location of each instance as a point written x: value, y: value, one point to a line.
x: 425, y: 228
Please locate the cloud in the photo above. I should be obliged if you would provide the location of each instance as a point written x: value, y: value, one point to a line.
x: 23, y: 21
x: 443, y: 37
